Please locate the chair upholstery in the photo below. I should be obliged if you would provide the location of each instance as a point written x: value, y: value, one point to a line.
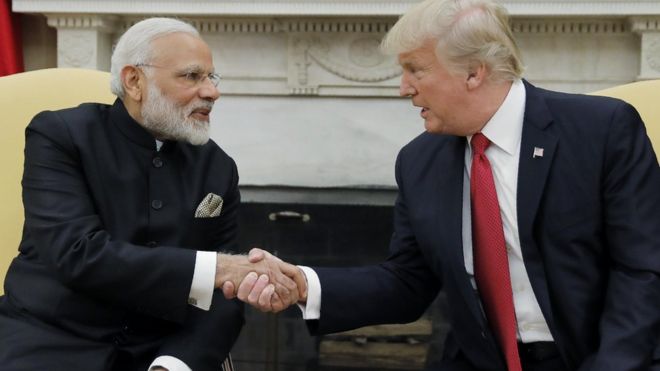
x: 24, y: 95
x: 644, y: 96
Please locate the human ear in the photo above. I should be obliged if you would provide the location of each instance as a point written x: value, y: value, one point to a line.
x: 476, y: 76
x: 133, y: 81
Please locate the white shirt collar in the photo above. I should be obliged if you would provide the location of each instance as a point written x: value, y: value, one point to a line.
x: 504, y: 129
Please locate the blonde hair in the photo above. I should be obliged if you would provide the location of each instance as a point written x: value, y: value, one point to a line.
x: 134, y: 46
x: 466, y: 33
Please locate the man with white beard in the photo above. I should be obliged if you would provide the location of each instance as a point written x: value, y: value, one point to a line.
x: 126, y: 209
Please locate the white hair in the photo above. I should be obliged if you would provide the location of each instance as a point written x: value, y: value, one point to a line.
x: 134, y: 46
x: 466, y: 32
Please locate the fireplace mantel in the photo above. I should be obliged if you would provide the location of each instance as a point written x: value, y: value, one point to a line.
x: 309, y: 100
x: 330, y: 47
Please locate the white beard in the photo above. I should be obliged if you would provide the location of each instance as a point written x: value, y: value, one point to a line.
x: 163, y: 119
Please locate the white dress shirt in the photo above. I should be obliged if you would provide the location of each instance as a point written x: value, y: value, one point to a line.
x: 504, y: 130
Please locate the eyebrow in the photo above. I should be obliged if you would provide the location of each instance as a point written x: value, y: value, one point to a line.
x: 411, y: 64
x: 195, y: 68
x: 406, y: 64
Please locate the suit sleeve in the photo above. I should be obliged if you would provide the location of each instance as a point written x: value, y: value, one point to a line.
x: 206, y: 337
x: 396, y: 291
x: 70, y: 239
x: 630, y: 322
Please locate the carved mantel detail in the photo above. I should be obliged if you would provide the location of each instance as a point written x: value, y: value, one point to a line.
x: 365, y: 63
x: 645, y: 24
x: 382, y: 26
x: 653, y: 54
x: 103, y: 23
x: 326, y: 55
x: 73, y: 49
x: 83, y: 40
x: 349, y: 61
x: 570, y: 26
x: 649, y: 30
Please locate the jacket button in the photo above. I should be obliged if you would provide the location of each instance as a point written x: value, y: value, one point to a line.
x: 157, y: 162
x: 156, y: 204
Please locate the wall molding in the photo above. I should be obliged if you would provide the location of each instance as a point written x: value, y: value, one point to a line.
x: 104, y: 23
x: 273, y: 25
x: 645, y: 24
x: 380, y: 26
x: 570, y: 26
x: 327, y: 7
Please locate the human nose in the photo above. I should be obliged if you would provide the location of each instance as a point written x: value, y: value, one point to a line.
x: 405, y: 88
x: 208, y: 90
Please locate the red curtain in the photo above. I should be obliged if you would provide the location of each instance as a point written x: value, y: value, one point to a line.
x: 11, y: 52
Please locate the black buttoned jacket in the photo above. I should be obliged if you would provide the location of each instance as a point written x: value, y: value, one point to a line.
x: 110, y: 238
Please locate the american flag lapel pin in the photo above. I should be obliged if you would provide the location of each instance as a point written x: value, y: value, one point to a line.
x: 538, y: 152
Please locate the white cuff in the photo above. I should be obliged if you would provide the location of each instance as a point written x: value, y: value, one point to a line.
x: 312, y: 309
x: 170, y: 363
x: 203, y: 282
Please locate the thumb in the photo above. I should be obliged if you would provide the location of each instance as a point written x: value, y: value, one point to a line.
x: 228, y: 290
x: 298, y: 276
x: 256, y: 255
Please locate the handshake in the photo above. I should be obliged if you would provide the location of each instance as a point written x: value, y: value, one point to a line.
x: 261, y: 280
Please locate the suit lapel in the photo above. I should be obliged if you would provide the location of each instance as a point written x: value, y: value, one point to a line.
x: 449, y: 172
x: 537, y: 150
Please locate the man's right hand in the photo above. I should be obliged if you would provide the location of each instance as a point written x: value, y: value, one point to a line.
x: 263, y: 280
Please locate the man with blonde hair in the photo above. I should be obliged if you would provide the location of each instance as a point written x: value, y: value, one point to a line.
x: 537, y: 212
x: 126, y: 209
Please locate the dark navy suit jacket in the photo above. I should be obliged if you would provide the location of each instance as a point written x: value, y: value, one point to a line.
x: 110, y: 240
x: 589, y: 224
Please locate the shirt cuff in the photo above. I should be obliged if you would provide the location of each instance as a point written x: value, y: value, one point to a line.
x: 311, y: 309
x: 170, y: 363
x: 203, y: 282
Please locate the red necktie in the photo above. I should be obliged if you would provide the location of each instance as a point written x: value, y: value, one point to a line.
x: 491, y: 265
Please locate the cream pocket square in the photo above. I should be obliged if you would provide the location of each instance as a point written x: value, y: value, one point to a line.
x: 210, y: 206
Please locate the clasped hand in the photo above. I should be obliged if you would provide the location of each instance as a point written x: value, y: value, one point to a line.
x: 261, y: 280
